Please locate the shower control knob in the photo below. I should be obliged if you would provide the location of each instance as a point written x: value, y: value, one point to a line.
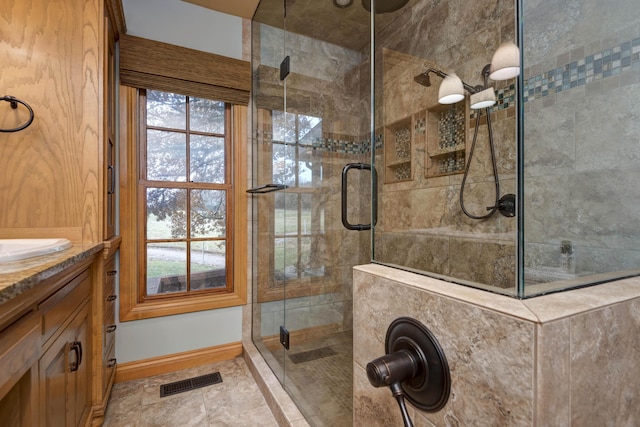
x: 414, y: 366
x: 392, y: 368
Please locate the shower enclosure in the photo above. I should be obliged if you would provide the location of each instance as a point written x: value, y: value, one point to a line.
x: 310, y: 120
x: 335, y: 85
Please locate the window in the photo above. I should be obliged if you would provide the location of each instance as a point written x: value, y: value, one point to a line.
x: 185, y: 186
x: 298, y: 211
x: 183, y: 191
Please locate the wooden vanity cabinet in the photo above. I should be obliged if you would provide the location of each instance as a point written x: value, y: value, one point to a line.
x: 65, y: 365
x: 104, y: 303
x: 105, y: 295
x: 64, y: 375
x: 19, y: 353
x: 45, y: 352
x: 109, y: 125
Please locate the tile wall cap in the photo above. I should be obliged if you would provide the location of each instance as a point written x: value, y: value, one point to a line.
x: 542, y: 309
x: 486, y: 300
x: 564, y: 304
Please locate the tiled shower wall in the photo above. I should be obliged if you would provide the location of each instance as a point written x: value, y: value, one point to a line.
x: 567, y: 359
x: 582, y: 127
x: 421, y: 224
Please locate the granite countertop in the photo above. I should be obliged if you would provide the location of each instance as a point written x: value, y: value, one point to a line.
x: 18, y: 277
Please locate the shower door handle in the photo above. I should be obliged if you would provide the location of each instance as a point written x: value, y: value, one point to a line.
x: 267, y: 188
x: 345, y: 221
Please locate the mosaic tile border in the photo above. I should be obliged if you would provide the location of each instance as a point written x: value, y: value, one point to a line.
x: 606, y: 63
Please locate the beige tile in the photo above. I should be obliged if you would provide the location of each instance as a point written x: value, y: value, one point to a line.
x: 490, y: 354
x: 187, y: 409
x: 605, y: 367
x: 570, y: 303
x: 483, y: 299
x: 553, y: 377
x: 237, y: 401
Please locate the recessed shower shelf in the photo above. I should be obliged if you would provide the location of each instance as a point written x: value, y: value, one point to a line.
x: 397, y: 151
x: 445, y: 152
x: 399, y: 163
x: 446, y: 140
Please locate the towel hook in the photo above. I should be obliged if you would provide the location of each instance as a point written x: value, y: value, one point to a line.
x: 14, y: 105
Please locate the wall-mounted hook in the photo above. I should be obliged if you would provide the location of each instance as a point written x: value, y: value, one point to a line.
x: 13, y: 101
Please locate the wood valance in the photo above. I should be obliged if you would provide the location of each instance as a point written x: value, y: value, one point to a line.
x: 151, y: 64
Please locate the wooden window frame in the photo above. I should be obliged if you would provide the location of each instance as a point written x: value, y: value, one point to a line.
x: 132, y: 306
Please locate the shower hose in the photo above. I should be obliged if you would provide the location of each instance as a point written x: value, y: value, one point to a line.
x: 492, y: 209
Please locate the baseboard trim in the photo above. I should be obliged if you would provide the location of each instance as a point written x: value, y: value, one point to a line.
x: 174, y: 362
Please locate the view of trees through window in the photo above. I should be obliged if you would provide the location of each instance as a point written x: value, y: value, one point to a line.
x: 299, y: 211
x: 186, y: 187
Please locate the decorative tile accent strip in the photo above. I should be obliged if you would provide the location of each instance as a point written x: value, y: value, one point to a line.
x: 607, y: 63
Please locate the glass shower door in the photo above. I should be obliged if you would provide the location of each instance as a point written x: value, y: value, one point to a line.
x: 311, y: 117
x: 267, y: 45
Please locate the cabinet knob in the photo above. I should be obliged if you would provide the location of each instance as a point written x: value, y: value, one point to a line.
x: 111, y: 298
x: 111, y: 363
x: 112, y: 272
x: 111, y: 328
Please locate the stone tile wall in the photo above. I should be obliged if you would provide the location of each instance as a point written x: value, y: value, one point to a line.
x: 581, y: 129
x: 421, y: 224
x: 563, y: 359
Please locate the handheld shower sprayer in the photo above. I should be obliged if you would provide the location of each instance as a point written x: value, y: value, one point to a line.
x: 482, y: 98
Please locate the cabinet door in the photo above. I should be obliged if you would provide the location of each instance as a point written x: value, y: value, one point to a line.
x: 64, y: 375
x: 109, y: 130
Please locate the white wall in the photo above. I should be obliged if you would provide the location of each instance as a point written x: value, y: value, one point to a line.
x: 187, y: 25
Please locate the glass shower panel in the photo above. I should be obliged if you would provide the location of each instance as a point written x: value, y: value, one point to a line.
x: 269, y: 167
x: 424, y: 147
x: 307, y: 128
x: 323, y: 135
x: 581, y: 152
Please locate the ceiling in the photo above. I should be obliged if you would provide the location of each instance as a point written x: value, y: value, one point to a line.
x: 318, y: 19
x: 241, y: 8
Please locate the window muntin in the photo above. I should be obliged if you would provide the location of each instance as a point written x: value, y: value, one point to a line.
x: 298, y: 211
x: 186, y: 191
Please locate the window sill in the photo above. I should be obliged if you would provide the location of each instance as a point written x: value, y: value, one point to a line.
x: 169, y: 307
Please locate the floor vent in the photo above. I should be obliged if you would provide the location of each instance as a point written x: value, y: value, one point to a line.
x: 308, y: 356
x: 190, y: 384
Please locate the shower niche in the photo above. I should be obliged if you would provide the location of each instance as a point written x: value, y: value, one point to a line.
x: 446, y: 132
x: 397, y: 151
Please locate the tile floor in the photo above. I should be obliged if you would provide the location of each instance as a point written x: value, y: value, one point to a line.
x: 235, y: 402
x: 321, y: 386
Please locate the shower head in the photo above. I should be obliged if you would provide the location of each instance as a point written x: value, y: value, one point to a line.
x: 423, y: 79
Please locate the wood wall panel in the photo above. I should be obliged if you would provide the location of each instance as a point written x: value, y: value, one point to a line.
x: 49, y: 172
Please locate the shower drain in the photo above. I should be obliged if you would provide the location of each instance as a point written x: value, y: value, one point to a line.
x: 308, y: 356
x: 189, y: 384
